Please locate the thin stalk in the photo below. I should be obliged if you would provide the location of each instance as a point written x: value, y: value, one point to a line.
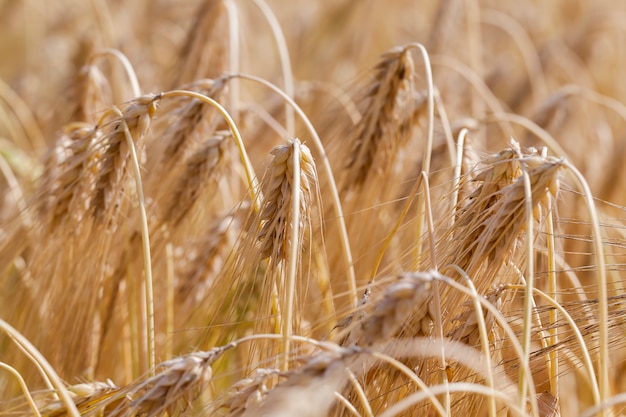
x: 233, y: 55
x: 553, y: 371
x: 23, y: 386
x: 474, y: 40
x: 343, y: 231
x: 395, y: 228
x: 360, y: 393
x: 16, y: 190
x: 292, y: 262
x: 401, y: 406
x: 253, y: 184
x: 285, y: 61
x: 603, y: 308
x: 133, y: 317
x: 349, y: 406
x: 426, y: 157
x: 438, y: 325
x: 43, y: 365
x: 23, y: 114
x: 414, y: 378
x: 169, y: 304
x: 128, y: 67
x: 147, y: 257
x: 595, y: 390
x: 512, y: 338
x: 484, y: 337
x: 447, y: 130
x: 458, y: 166
x: 530, y: 282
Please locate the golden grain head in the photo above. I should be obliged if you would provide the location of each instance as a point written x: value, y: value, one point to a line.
x: 138, y: 244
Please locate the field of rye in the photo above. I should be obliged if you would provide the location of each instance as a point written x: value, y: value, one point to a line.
x: 312, y: 208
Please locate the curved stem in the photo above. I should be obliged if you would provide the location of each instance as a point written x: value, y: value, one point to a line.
x: 466, y: 387
x: 428, y: 149
x: 23, y: 386
x: 145, y: 240
x: 512, y: 338
x: 24, y: 115
x: 233, y: 55
x: 285, y: 61
x: 128, y: 67
x: 602, y: 285
x: 595, y: 391
x: 44, y: 365
x: 484, y: 336
x: 343, y: 231
x: 253, y: 185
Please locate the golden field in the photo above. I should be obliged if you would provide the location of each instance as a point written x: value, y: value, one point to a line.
x: 312, y: 208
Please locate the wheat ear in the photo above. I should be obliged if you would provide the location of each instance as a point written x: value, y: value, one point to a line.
x: 68, y: 176
x: 344, y: 240
x: 194, y: 117
x: 201, y: 169
x: 253, y: 188
x: 381, y: 129
x: 136, y: 117
x: 284, y: 216
x: 174, y: 384
x: 314, y: 383
x: 406, y: 299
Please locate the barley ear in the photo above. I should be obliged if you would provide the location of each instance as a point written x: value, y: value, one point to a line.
x: 284, y: 217
x: 406, y: 300
x: 201, y: 170
x: 383, y: 128
x: 113, y: 166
